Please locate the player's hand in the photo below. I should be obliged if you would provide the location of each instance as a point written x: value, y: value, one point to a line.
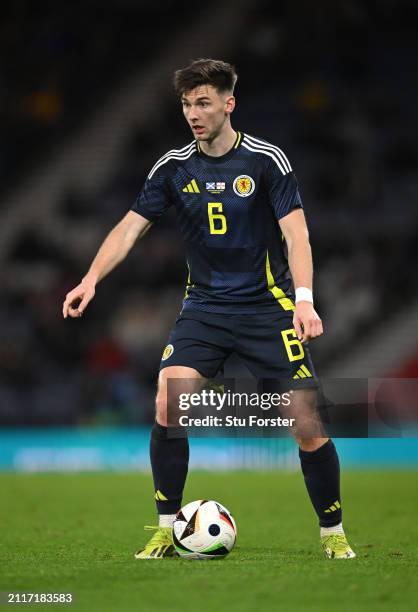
x: 76, y: 301
x: 306, y: 322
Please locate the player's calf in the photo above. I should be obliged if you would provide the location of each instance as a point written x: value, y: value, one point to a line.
x: 321, y: 472
x: 169, y: 454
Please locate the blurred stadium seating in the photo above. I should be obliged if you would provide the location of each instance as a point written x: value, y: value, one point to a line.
x: 331, y: 83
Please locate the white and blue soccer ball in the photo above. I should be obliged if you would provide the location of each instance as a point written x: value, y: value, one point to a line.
x: 204, y: 529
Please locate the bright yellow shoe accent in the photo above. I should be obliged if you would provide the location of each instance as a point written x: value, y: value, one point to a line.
x: 159, y: 546
x: 335, y: 546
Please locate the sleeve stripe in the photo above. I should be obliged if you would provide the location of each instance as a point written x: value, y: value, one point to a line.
x: 270, y: 147
x: 163, y: 161
x: 174, y: 152
x: 273, y: 157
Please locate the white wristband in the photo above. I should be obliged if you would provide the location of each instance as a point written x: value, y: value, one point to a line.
x: 303, y: 294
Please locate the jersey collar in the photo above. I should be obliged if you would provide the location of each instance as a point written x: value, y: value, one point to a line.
x: 221, y: 158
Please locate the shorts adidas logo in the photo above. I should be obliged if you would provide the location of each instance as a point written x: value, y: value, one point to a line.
x: 303, y: 372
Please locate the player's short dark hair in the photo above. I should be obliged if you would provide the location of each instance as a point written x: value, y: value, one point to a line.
x: 219, y: 74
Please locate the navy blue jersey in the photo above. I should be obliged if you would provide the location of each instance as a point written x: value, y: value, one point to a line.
x: 228, y: 208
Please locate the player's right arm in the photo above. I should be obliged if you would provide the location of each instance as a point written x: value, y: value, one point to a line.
x: 152, y: 202
x: 113, y: 250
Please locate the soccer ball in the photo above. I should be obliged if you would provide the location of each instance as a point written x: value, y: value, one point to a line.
x: 204, y: 529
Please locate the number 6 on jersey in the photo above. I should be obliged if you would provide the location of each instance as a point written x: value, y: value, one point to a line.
x: 214, y: 215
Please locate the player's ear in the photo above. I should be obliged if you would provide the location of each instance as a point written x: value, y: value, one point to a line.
x: 229, y: 104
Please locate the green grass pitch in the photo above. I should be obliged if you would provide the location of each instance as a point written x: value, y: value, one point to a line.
x: 78, y: 532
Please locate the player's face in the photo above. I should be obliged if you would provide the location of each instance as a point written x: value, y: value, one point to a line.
x: 207, y: 111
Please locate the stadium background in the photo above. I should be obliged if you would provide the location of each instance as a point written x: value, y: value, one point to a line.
x: 87, y: 107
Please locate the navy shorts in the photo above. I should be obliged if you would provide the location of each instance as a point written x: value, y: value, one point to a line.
x: 265, y: 343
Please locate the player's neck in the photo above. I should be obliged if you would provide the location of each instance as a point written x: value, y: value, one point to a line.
x: 220, y: 145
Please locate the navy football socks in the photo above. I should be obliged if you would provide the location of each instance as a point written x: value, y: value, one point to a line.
x: 169, y: 453
x: 321, y: 471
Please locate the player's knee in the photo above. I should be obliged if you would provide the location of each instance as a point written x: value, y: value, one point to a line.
x: 165, y: 404
x: 310, y: 444
x: 161, y: 408
x: 161, y: 400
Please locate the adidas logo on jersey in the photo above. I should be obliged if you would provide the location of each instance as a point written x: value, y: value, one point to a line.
x: 191, y: 187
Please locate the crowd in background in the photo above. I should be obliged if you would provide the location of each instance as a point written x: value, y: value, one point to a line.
x: 331, y: 84
x: 59, y: 60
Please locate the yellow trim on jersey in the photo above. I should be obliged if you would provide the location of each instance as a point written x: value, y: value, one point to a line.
x: 285, y: 302
x: 191, y: 187
x: 188, y: 285
x: 186, y: 293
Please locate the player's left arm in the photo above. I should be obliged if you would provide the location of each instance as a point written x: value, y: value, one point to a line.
x: 306, y: 321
